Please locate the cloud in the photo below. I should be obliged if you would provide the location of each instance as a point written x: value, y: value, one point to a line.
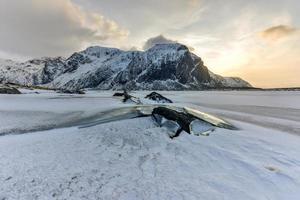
x: 160, y: 39
x: 52, y: 27
x: 277, y: 32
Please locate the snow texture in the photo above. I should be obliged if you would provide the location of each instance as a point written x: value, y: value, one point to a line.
x: 135, y: 159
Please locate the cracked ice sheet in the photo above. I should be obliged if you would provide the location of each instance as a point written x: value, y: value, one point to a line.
x: 134, y: 159
x: 25, y: 112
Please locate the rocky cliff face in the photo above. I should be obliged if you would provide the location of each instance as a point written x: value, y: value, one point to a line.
x: 163, y: 67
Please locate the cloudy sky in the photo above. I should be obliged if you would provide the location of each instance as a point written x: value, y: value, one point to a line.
x: 258, y: 40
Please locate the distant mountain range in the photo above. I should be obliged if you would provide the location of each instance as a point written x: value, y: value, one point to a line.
x: 162, y: 67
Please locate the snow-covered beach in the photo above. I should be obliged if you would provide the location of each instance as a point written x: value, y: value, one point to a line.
x: 134, y: 159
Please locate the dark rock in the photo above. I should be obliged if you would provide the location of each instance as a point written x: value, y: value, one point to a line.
x: 9, y: 90
x: 158, y: 98
x: 127, y: 97
x: 118, y: 94
x: 71, y: 91
x: 181, y: 118
x: 80, y: 92
x: 130, y: 98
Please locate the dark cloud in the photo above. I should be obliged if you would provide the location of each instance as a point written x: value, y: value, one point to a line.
x: 51, y: 27
x: 157, y: 40
x: 277, y: 32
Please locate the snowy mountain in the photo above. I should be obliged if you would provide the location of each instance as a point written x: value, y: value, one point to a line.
x: 162, y: 67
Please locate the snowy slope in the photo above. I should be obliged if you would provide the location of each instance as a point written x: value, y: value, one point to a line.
x: 134, y: 159
x: 32, y: 72
x: 162, y: 67
x: 20, y: 73
x: 220, y: 81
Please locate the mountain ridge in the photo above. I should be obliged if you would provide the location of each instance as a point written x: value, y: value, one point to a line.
x: 162, y: 67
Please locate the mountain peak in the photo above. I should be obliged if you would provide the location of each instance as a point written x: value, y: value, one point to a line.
x: 168, y: 46
x: 98, y: 51
x: 163, y: 67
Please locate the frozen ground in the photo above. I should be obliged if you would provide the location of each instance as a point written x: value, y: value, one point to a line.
x: 134, y: 159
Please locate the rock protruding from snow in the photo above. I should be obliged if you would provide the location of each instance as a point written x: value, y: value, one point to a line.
x: 8, y: 90
x: 162, y: 67
x: 158, y: 98
x: 127, y: 98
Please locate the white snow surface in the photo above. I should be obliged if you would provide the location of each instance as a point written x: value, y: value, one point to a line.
x: 134, y: 159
